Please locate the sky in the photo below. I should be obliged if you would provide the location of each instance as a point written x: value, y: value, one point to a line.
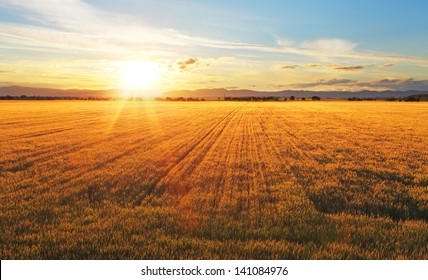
x: 163, y: 45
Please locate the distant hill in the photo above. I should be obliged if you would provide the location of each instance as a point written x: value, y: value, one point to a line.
x: 221, y: 92
x: 421, y: 97
x: 51, y: 92
x: 211, y: 93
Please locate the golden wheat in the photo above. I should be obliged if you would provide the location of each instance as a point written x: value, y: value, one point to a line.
x: 213, y: 180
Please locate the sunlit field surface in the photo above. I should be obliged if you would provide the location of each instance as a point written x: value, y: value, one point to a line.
x: 213, y: 180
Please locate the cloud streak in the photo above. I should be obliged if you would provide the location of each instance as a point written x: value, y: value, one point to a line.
x: 323, y: 82
x: 290, y: 67
x: 338, y: 67
x: 397, y: 84
x: 349, y: 68
x: 330, y: 45
x: 77, y: 29
x: 383, y: 84
x: 80, y: 26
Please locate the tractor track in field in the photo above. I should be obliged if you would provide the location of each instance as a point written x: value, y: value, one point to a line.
x: 80, y: 121
x: 219, y: 186
x: 70, y: 175
x: 66, y: 181
x: 149, y: 188
x: 32, y: 156
x: 47, y: 154
x: 43, y: 133
x: 59, y: 150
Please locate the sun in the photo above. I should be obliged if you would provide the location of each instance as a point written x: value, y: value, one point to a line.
x: 139, y: 74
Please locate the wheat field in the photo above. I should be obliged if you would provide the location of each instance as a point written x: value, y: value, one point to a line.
x: 213, y: 180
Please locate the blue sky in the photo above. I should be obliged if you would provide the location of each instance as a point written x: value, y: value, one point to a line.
x: 264, y: 45
x: 393, y: 25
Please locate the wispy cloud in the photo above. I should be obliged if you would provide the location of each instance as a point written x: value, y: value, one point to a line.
x: 289, y: 67
x: 349, y: 68
x: 338, y: 48
x: 348, y: 84
x: 323, y: 82
x: 284, y: 42
x: 330, y: 45
x: 329, y: 67
x: 75, y: 28
x: 397, y: 84
x: 76, y: 25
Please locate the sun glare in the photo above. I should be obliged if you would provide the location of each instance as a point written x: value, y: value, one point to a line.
x: 138, y: 74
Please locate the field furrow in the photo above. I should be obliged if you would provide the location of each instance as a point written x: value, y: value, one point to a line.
x: 231, y: 180
x: 178, y: 187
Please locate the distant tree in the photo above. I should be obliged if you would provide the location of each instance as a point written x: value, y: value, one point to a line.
x: 292, y: 98
x: 303, y: 99
x: 285, y: 98
x: 412, y: 99
x: 316, y: 98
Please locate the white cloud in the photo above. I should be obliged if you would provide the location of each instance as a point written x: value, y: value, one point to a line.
x: 336, y: 48
x: 330, y: 45
x: 347, y: 84
x: 76, y: 26
x: 284, y: 42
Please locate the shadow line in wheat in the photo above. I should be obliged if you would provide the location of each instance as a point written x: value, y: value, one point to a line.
x: 149, y: 188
